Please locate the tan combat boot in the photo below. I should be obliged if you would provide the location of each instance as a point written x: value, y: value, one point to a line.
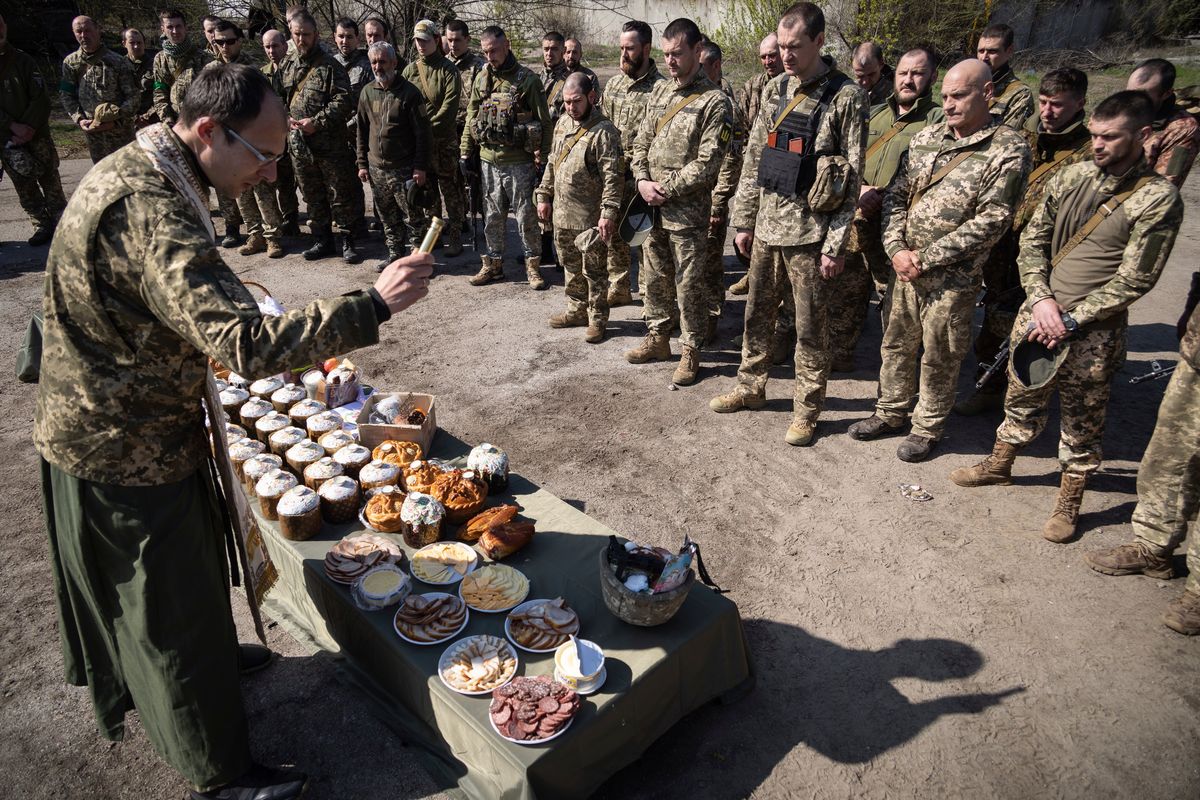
x: 800, y: 432
x: 994, y: 470
x: 275, y: 249
x: 739, y: 398
x: 536, y: 281
x: 255, y: 244
x: 742, y: 286
x: 653, y: 348
x: 1061, y: 525
x: 569, y: 320
x: 689, y: 365
x: 1183, y: 614
x: 595, y: 333
x: 1135, y: 558
x: 490, y: 271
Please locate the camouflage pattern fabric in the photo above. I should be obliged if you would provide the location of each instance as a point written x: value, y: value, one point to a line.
x: 440, y: 83
x: 469, y: 65
x: 583, y: 178
x: 505, y: 187
x: 727, y: 182
x: 529, y: 104
x: 387, y: 189
x: 1171, y: 148
x: 676, y: 286
x: 172, y: 77
x: 285, y: 176
x: 1012, y: 101
x: 445, y: 167
x: 552, y: 87
x: 90, y: 80
x: 41, y: 194
x: 230, y: 211
x: 751, y: 99
x: 332, y: 192
x: 259, y: 208
x: 143, y: 72
x: 585, y: 273
x: 23, y: 99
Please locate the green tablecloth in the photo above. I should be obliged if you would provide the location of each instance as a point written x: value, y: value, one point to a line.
x: 655, y: 675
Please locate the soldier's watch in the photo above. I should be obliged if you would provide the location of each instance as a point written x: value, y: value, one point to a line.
x: 1069, y: 322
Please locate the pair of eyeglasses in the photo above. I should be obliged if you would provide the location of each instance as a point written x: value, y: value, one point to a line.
x: 262, y: 159
x: 223, y: 42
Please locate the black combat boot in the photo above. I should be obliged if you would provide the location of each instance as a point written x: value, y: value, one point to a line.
x: 322, y: 246
x: 350, y: 253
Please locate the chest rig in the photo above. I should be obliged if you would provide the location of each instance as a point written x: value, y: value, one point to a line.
x: 789, y: 158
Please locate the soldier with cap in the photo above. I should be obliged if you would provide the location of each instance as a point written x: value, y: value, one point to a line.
x: 624, y: 103
x: 1012, y: 101
x: 440, y: 84
x: 1172, y: 146
x: 26, y: 149
x: 142, y: 62
x: 871, y: 73
x: 573, y: 59
x: 98, y: 90
x: 1097, y: 242
x: 508, y: 125
x: 890, y: 128
x: 952, y: 198
x: 793, y: 212
x: 137, y: 301
x: 275, y: 45
x: 581, y: 193
x: 677, y: 155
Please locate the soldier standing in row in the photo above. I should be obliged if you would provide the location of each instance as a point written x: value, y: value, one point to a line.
x: 208, y: 24
x: 141, y: 61
x: 1058, y: 137
x: 681, y: 143
x: 581, y: 193
x: 441, y: 85
x: 1171, y: 148
x: 98, y: 90
x: 226, y: 43
x: 26, y: 149
x: 509, y: 126
x: 469, y: 64
x: 871, y: 73
x: 1098, y: 241
x: 890, y: 128
x: 953, y: 197
x: 354, y: 60
x: 573, y: 58
x: 316, y: 90
x: 1012, y: 101
x: 793, y: 212
x: 395, y: 144
x: 554, y: 77
x: 275, y: 45
x: 176, y: 65
x: 624, y: 103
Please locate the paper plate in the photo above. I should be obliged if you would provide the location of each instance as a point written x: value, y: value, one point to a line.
x: 448, y: 637
x: 470, y: 567
x: 522, y: 607
x: 444, y: 662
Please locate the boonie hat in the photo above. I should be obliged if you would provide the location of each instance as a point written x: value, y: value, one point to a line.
x: 426, y: 29
x: 637, y: 222
x: 106, y: 112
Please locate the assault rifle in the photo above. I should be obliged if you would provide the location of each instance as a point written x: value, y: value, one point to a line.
x: 471, y: 181
x: 1157, y: 372
x: 998, y: 363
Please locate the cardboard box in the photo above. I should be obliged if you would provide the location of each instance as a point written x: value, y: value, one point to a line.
x: 371, y: 436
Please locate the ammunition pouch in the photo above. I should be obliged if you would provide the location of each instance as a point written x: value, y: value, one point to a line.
x: 829, y: 185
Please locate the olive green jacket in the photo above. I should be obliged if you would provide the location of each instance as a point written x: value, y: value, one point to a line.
x: 173, y: 76
x: 440, y: 83
x: 527, y: 89
x: 23, y: 96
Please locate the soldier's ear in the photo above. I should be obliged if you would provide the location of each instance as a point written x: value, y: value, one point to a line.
x: 206, y: 128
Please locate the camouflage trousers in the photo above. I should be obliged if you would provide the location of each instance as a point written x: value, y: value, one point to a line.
x: 101, y: 144
x: 508, y: 186
x: 445, y: 167
x: 769, y: 264
x: 285, y: 185
x: 619, y: 255
x: 867, y: 267
x: 1083, y: 380
x: 332, y: 191
x: 41, y: 193
x: 260, y: 211
x: 1168, y: 482
x: 1001, y: 302
x: 387, y: 186
x: 926, y: 315
x: 229, y: 211
x: 676, y: 285
x: 586, y: 275
x: 714, y: 266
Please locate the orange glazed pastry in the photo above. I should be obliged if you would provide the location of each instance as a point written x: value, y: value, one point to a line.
x: 462, y: 494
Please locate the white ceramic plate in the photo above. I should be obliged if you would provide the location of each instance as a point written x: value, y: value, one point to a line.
x: 522, y: 607
x: 466, y: 551
x: 432, y: 596
x: 444, y: 663
x: 518, y: 601
x: 530, y: 742
x: 601, y: 677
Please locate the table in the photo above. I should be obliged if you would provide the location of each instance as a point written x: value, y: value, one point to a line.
x: 655, y: 675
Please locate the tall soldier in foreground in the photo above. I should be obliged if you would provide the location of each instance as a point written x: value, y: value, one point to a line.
x: 136, y: 535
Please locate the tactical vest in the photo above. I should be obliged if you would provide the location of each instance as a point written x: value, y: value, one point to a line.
x: 789, y: 158
x: 500, y: 121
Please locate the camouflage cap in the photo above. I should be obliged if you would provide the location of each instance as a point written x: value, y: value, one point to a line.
x: 426, y: 29
x: 1035, y: 365
x: 587, y: 240
x: 106, y: 112
x: 637, y: 222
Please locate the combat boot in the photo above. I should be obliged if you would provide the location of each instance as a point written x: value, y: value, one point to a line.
x: 454, y: 246
x: 689, y: 365
x: 275, y: 249
x: 255, y: 244
x: 742, y: 286
x: 619, y: 296
x: 595, y: 333
x: 873, y: 427
x: 569, y: 320
x: 1061, y: 525
x: 290, y: 228
x: 322, y: 247
x: 842, y: 363
x: 654, y: 347
x: 43, y: 234
x: 914, y: 448
x: 800, y: 432
x: 491, y: 270
x: 1183, y: 614
x: 994, y: 470
x: 233, y: 236
x: 979, y: 403
x: 1135, y: 558
x: 350, y: 252
x: 536, y: 281
x: 737, y: 399
x: 391, y: 256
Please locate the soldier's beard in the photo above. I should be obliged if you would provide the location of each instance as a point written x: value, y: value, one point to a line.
x: 630, y: 68
x: 385, y: 79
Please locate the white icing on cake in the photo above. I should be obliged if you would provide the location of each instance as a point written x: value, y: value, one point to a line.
x: 298, y: 500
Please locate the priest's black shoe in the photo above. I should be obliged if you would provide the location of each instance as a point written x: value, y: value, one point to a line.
x: 259, y: 783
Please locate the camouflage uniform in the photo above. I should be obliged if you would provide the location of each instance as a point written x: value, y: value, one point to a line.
x: 88, y: 81
x: 137, y: 300
x: 552, y: 86
x: 584, y: 181
x: 143, y: 71
x: 469, y: 65
x: 394, y: 138
x: 624, y: 103
x: 441, y: 85
x: 1097, y: 282
x: 316, y: 87
x: 1012, y: 101
x: 23, y: 99
x: 685, y: 157
x: 358, y: 68
x: 866, y: 262
x: 285, y: 176
x: 1173, y: 145
x: 509, y: 176
x: 727, y: 181
x: 173, y: 74
x: 790, y: 238
x: 593, y: 77
x: 882, y: 91
x: 951, y: 225
x: 751, y: 99
x: 231, y: 207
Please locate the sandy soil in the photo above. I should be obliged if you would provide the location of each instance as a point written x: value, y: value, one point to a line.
x: 936, y: 649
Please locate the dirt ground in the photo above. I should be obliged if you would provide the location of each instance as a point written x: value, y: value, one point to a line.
x: 939, y: 649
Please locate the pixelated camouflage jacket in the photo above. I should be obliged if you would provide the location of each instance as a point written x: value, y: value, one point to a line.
x: 358, y: 70
x: 316, y: 87
x: 780, y: 220
x: 102, y: 77
x: 1172, y: 147
x: 23, y: 96
x: 731, y: 164
x: 751, y: 99
x: 1189, y: 346
x: 1051, y: 153
x: 137, y: 300
x: 553, y: 81
x: 172, y: 77
x: 624, y: 103
x: 440, y: 83
x: 1143, y: 230
x: 584, y: 178
x: 469, y: 65
x: 954, y: 223
x: 1012, y: 101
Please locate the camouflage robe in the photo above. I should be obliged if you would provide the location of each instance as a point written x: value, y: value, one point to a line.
x: 100, y: 77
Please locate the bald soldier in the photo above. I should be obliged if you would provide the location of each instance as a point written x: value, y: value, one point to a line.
x: 874, y: 76
x: 1172, y: 146
x: 99, y: 91
x: 1012, y: 101
x: 952, y: 199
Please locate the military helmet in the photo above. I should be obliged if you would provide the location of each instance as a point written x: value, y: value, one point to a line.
x: 418, y: 196
x: 638, y: 220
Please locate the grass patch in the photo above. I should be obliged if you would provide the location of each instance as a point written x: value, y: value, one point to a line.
x: 68, y: 138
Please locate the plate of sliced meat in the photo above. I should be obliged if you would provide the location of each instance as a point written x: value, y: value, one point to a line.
x: 532, y: 711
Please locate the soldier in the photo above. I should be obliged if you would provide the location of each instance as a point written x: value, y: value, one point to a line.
x: 316, y: 90
x: 1058, y: 137
x: 508, y: 124
x: 1096, y: 243
x: 175, y: 67
x: 95, y: 81
x: 792, y: 213
x: 581, y: 194
x: 624, y: 102
x: 890, y: 127
x: 376, y: 30
x: 951, y: 199
x: 458, y: 38
x: 28, y: 154
x: 1012, y: 101
x: 554, y: 72
x: 1167, y: 485
x: 871, y: 73
x: 275, y: 45
x: 1173, y: 145
x: 142, y: 62
x: 573, y: 58
x: 441, y: 85
x: 132, y: 511
x: 395, y: 143
x: 208, y: 24
x: 354, y: 60
x: 680, y: 145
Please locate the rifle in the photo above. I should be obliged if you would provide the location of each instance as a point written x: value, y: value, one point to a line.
x: 998, y: 363
x: 471, y: 182
x: 1157, y: 372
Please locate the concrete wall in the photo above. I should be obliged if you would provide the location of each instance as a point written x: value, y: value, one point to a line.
x: 1066, y: 25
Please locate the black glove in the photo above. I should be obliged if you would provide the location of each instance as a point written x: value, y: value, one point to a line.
x: 466, y: 168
